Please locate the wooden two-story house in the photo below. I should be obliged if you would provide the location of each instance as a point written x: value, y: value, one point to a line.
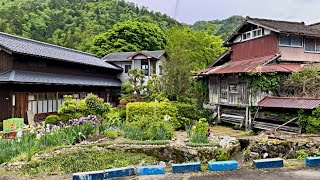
x: 151, y: 62
x: 34, y: 76
x: 257, y: 46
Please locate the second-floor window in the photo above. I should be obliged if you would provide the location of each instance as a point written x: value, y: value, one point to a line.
x: 127, y: 68
x: 312, y: 45
x: 293, y: 41
x: 252, y: 34
x: 145, y: 67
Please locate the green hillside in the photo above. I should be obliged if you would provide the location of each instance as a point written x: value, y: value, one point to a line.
x: 71, y: 23
x: 223, y: 28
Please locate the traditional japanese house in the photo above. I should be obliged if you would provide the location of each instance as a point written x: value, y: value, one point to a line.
x: 258, y: 46
x: 34, y: 76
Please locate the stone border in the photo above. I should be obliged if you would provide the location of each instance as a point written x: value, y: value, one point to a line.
x: 223, y: 165
x: 268, y: 163
x: 186, y: 167
x: 150, y: 170
x: 312, y: 161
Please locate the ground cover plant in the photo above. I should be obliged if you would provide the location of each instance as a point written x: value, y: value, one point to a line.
x: 85, y: 160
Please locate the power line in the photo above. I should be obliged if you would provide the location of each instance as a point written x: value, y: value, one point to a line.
x: 176, y: 9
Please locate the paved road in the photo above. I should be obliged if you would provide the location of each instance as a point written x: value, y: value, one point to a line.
x: 296, y: 173
x: 246, y: 174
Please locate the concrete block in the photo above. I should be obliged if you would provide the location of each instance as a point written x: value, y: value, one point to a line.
x: 223, y: 165
x: 119, y: 172
x: 92, y: 175
x: 268, y: 163
x: 150, y: 170
x: 186, y: 167
x: 313, y: 161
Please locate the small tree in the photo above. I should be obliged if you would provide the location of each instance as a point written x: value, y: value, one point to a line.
x: 96, y: 105
x: 135, y: 85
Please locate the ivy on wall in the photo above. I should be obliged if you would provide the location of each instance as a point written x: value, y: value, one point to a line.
x: 263, y: 81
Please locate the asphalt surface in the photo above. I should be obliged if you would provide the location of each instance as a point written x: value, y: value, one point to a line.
x: 245, y: 174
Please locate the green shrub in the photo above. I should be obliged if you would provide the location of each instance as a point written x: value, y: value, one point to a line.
x: 96, y: 105
x: 149, y: 129
x: 310, y: 122
x: 112, y: 134
x: 112, y: 117
x: 159, y: 110
x: 221, y: 155
x: 52, y: 119
x: 68, y: 109
x: 302, y: 154
x: 199, y: 132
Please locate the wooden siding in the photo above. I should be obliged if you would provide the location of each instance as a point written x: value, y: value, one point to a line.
x: 23, y: 63
x: 298, y: 54
x: 5, y: 102
x: 214, y: 89
x: 6, y: 61
x: 229, y: 90
x: 264, y: 46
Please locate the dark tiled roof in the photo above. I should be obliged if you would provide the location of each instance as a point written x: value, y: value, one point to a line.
x: 125, y: 56
x: 287, y: 27
x: 30, y: 47
x: 289, y: 102
x: 27, y: 77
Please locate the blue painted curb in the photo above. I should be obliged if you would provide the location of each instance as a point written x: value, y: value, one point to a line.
x: 223, y: 165
x: 92, y: 175
x: 150, y: 170
x: 186, y: 167
x: 313, y: 161
x: 119, y: 172
x: 268, y: 163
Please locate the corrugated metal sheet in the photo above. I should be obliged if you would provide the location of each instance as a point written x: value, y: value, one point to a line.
x: 249, y: 65
x: 289, y: 102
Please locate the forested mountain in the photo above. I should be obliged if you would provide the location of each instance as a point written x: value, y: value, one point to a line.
x: 71, y: 23
x: 223, y: 28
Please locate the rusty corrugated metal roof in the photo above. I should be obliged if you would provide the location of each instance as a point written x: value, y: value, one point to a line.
x: 248, y: 65
x: 289, y: 102
x: 254, y: 65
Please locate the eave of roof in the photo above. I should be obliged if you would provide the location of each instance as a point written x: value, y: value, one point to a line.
x: 24, y: 46
x: 27, y: 77
x: 289, y: 102
x: 128, y: 56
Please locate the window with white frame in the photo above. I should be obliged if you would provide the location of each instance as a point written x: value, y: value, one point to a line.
x: 293, y: 41
x: 312, y: 45
x: 252, y: 34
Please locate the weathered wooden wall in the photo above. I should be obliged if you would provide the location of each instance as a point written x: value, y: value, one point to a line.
x: 259, y: 47
x: 229, y: 89
x: 5, y: 61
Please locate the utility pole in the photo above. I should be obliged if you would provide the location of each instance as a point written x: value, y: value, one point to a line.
x: 176, y: 10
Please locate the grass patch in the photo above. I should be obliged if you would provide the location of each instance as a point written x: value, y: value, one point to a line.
x: 202, y: 145
x: 85, y: 160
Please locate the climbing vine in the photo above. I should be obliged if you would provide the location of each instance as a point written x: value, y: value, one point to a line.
x: 264, y: 82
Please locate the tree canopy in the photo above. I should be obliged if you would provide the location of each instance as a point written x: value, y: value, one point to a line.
x: 72, y: 23
x: 129, y: 36
x: 188, y: 50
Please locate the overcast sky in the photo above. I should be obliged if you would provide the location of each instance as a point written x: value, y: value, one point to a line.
x: 190, y: 11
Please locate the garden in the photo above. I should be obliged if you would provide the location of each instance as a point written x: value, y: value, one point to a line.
x: 93, y: 133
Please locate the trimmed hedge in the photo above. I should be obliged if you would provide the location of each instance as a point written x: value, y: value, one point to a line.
x: 136, y: 111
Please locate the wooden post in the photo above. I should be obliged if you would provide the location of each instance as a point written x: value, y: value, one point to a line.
x: 250, y: 119
x: 218, y: 109
x: 247, y: 118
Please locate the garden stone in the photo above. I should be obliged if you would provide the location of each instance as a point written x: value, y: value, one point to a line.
x: 300, y: 144
x: 265, y: 155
